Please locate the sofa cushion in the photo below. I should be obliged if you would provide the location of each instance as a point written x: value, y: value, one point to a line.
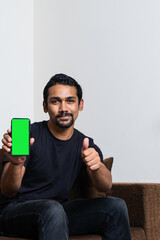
x: 83, y: 187
x: 138, y: 234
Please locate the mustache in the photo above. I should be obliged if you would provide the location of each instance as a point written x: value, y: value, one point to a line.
x: 64, y: 114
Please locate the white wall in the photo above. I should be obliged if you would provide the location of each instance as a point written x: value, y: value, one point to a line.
x: 112, y: 49
x: 16, y: 61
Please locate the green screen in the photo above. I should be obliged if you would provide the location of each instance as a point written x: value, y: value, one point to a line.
x: 20, y: 136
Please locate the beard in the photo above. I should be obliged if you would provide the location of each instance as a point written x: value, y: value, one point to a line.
x: 63, y: 123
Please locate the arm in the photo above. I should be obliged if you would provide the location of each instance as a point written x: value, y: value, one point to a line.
x: 13, y: 170
x: 11, y: 178
x: 99, y: 174
x: 101, y: 178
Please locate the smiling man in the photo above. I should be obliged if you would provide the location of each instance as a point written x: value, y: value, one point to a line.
x: 62, y: 104
x: 34, y: 191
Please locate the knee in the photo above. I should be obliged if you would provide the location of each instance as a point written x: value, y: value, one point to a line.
x: 53, y: 212
x: 121, y: 205
x: 116, y: 206
x: 120, y: 208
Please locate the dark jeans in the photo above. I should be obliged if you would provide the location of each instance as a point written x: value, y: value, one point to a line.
x: 50, y: 220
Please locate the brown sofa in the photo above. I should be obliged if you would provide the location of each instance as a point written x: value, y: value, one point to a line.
x: 143, y: 201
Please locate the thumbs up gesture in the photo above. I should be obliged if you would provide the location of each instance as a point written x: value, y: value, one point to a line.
x: 90, y: 156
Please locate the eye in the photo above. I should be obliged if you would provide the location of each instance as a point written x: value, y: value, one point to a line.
x: 70, y: 100
x: 55, y: 101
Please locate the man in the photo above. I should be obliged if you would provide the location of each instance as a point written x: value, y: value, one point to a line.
x: 35, y: 189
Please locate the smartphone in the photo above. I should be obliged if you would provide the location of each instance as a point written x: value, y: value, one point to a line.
x: 20, y: 133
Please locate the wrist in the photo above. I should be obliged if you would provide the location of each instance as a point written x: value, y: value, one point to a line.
x: 19, y: 163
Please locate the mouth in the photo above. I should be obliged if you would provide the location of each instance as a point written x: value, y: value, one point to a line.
x: 64, y: 120
x: 64, y: 116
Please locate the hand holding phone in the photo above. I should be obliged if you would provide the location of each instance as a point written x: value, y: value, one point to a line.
x: 20, y: 131
x: 8, y: 149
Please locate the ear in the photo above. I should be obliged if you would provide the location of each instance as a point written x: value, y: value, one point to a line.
x: 45, y: 107
x: 81, y: 105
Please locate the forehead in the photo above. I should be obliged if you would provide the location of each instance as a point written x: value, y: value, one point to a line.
x: 62, y: 91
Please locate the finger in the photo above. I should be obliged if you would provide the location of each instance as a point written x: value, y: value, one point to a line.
x: 95, y: 167
x: 7, y: 137
x: 9, y: 131
x: 31, y: 141
x: 85, y: 144
x: 86, y: 153
x: 91, y: 163
x: 5, y: 142
x: 6, y: 149
x: 90, y: 154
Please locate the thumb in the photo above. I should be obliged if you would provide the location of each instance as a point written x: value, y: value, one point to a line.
x: 85, y: 143
x: 31, y: 141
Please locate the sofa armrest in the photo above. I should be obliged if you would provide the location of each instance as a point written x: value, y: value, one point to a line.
x: 143, y: 202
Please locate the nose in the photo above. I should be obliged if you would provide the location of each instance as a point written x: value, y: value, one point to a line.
x: 63, y: 107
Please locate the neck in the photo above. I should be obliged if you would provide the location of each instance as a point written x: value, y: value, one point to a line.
x: 61, y: 133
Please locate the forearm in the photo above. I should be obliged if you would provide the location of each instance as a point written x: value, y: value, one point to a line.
x: 101, y: 178
x: 11, y: 179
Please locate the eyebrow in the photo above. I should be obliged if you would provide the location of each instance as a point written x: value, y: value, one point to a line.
x: 58, y: 98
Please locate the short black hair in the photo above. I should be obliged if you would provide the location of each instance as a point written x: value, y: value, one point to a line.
x: 64, y: 80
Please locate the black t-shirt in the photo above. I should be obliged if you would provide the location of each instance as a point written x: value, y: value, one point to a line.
x: 52, y: 166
